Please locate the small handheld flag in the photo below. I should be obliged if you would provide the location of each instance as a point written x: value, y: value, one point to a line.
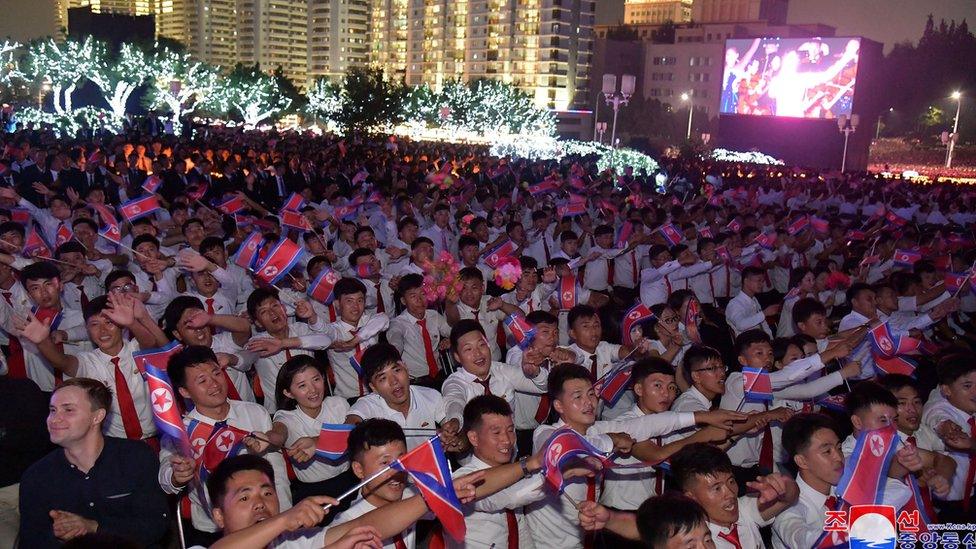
x: 232, y: 205
x: 637, y: 314
x: 428, y: 467
x: 152, y: 183
x: 820, y: 225
x: 798, y: 226
x: 63, y: 235
x: 224, y: 441
x: 692, y: 318
x: 906, y: 258
x: 281, y: 259
x: 522, y: 330
x: 322, y: 286
x: 35, y: 246
x: 248, y: 252
x: 294, y: 203
x: 867, y: 467
x: 165, y: 411
x: 333, y: 441
x: 564, y: 445
x: 756, y: 384
x: 614, y: 384
x: 568, y: 293
x: 671, y: 233
x: 494, y: 256
x: 294, y: 220
x: 157, y: 358
x: 139, y: 207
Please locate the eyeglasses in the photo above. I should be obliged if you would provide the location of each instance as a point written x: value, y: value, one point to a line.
x: 713, y: 369
x: 125, y: 289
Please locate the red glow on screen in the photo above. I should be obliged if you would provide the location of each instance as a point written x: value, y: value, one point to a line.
x: 795, y: 77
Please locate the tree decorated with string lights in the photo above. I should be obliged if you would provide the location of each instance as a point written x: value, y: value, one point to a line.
x: 179, y: 84
x: 64, y: 64
x: 117, y: 76
x: 249, y: 94
x: 324, y: 100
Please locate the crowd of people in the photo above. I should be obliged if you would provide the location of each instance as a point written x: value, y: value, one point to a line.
x: 694, y: 293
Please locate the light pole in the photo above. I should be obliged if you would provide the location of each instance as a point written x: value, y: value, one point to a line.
x: 877, y: 133
x: 957, y: 95
x: 691, y: 110
x: 596, y: 119
x: 847, y: 127
x: 601, y: 128
x: 42, y: 89
x: 616, y: 100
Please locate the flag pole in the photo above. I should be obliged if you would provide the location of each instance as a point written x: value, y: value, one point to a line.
x: 355, y: 488
x: 179, y: 523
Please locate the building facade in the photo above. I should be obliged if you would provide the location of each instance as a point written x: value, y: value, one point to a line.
x: 338, y: 37
x: 542, y: 46
x: 656, y: 12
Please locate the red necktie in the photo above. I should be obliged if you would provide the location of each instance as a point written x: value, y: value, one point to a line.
x: 732, y: 536
x: 593, y: 366
x: 610, y: 267
x: 432, y: 368
x: 398, y: 542
x: 589, y: 538
x: 513, y: 533
x: 210, y: 310
x: 971, y: 473
x: 633, y: 267
x: 130, y: 419
x: 545, y: 247
x: 830, y: 503
x: 658, y: 474
x: 155, y: 287
x: 16, y: 365
x: 358, y: 353
x: 486, y: 383
x: 380, y: 305
x: 542, y: 412
x: 766, y: 448
x: 231, y: 388
x: 84, y: 296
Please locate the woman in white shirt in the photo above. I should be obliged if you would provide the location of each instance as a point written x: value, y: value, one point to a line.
x: 302, y: 409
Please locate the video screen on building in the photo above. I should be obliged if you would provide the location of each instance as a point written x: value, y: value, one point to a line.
x: 796, y: 77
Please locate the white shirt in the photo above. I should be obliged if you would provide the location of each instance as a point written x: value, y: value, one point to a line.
x: 606, y: 354
x: 748, y: 526
x: 300, y: 425
x: 97, y: 365
x: 486, y: 520
x: 426, y: 412
x: 744, y: 313
x: 489, y: 320
x: 801, y: 524
x: 246, y: 416
x: 503, y: 380
x: 360, y: 507
x: 347, y: 381
x: 39, y: 370
x: 933, y: 414
x: 626, y: 489
x: 267, y: 367
x: 407, y: 336
x: 443, y: 239
x: 654, y: 284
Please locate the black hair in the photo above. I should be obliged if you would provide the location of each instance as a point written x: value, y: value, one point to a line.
x: 210, y: 243
x: 462, y: 328
x: 471, y: 273
x: 373, y: 432
x: 527, y: 262
x: 561, y: 373
x: 798, y: 433
x: 698, y: 459
x: 647, y: 366
x: 661, y: 517
x: 287, y: 372
x: 855, y: 290
x: 695, y: 356
x: 117, y: 274
x: 13, y: 226
x: 218, y: 479
x: 466, y: 241
x: 866, y: 394
x: 749, y: 338
x: 187, y: 357
x: 805, y: 308
x: 143, y: 238
x: 542, y: 317
x: 409, y: 282
x: 752, y: 271
x: 376, y: 358
x: 174, y: 310
x: 41, y: 270
x: 349, y: 286
x: 420, y: 240
x: 94, y: 306
x: 578, y: 312
x: 481, y: 405
x: 85, y: 221
x: 954, y: 366
x: 257, y: 297
x: 897, y: 382
x: 357, y: 253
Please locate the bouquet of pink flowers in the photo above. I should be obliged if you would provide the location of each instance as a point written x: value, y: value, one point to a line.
x: 441, y: 279
x: 508, y: 272
x: 466, y: 223
x: 838, y: 281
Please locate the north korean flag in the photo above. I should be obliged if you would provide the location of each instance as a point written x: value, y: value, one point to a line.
x: 109, y: 229
x: 624, y: 232
x: 294, y: 220
x: 706, y: 232
x: 165, y: 410
x: 427, y: 466
x: 568, y: 293
x: 157, y: 358
x: 867, y: 467
x: 322, y: 286
x: 495, y: 255
x: 139, y: 207
x: 572, y: 208
x: 734, y: 226
x: 522, y: 330
x: 294, y: 203
x: 820, y: 225
x: 798, y: 226
x: 906, y: 258
x: 333, y: 441
x: 955, y: 282
x: 756, y: 384
x: 348, y: 211
x: 614, y: 384
x: 20, y: 215
x: 63, y: 235
x: 152, y: 183
x: 224, y: 441
x: 637, y: 314
x: 281, y: 259
x: 894, y: 219
x: 671, y: 233
x: 766, y: 241
x: 544, y: 187
x: 565, y: 445
x: 34, y: 245
x: 232, y: 205
x: 248, y: 252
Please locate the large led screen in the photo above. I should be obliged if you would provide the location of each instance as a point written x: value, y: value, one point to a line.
x: 796, y: 77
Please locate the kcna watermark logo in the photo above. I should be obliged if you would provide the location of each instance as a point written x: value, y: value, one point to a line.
x: 879, y: 527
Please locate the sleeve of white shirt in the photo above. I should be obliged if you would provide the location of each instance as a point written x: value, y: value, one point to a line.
x: 523, y: 492
x: 793, y: 530
x: 691, y: 270
x: 537, y: 385
x: 396, y: 334
x: 455, y: 398
x: 795, y: 371
x: 810, y: 390
x: 375, y: 325
x: 650, y: 425
x: 740, y: 319
x: 227, y: 281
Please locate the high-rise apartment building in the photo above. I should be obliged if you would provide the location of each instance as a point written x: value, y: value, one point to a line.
x: 542, y: 46
x: 656, y: 12
x: 772, y: 12
x: 338, y: 36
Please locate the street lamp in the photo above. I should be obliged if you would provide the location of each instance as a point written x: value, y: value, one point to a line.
x: 847, y: 127
x: 877, y: 133
x: 601, y: 128
x: 691, y: 110
x: 957, y: 95
x: 627, y: 84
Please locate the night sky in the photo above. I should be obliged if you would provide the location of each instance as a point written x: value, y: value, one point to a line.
x: 887, y: 21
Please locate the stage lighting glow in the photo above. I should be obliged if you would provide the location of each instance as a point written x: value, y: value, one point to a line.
x: 795, y: 77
